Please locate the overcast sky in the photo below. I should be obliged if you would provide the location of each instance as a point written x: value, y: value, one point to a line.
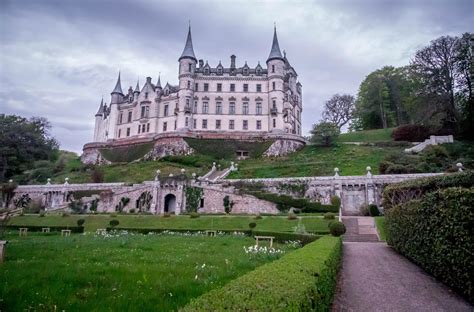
x: 59, y: 57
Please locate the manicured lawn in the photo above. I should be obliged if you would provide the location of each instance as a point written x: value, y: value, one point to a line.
x: 126, y: 273
x: 93, y: 222
x: 316, y: 161
x: 380, y: 223
x: 377, y: 135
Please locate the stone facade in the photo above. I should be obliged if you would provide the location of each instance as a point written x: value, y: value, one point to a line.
x: 207, y: 100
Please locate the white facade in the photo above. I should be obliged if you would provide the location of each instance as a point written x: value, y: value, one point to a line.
x: 207, y: 99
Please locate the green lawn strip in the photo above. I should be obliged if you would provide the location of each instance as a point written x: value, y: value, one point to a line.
x: 126, y: 273
x: 380, y: 223
x: 313, y: 224
x: 316, y: 161
x: 303, y: 280
x: 376, y: 135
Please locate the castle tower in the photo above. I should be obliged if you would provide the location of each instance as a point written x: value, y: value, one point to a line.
x: 276, y: 73
x: 117, y: 94
x: 99, y: 122
x: 136, y: 93
x: 187, y: 67
x: 116, y: 98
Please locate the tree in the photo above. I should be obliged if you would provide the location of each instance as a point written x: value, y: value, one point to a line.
x: 324, y: 133
x: 339, y: 109
x: 22, y: 142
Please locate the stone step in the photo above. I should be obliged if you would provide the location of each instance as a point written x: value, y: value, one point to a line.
x: 360, y: 238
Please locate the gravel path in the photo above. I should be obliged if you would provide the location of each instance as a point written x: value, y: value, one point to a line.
x: 376, y: 278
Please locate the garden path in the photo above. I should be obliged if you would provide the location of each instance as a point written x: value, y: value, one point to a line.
x: 374, y: 277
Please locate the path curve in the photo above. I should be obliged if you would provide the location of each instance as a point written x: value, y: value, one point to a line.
x: 374, y: 277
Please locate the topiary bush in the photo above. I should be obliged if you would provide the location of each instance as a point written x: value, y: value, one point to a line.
x: 336, y: 201
x: 411, y: 133
x: 252, y: 225
x: 374, y: 210
x: 258, y: 217
x: 113, y: 223
x: 292, y: 216
x: 435, y: 232
x: 302, y: 280
x: 364, y: 210
x: 80, y: 222
x: 194, y: 215
x: 337, y: 228
x: 329, y: 216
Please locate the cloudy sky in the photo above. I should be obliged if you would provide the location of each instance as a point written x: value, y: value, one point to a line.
x: 59, y: 57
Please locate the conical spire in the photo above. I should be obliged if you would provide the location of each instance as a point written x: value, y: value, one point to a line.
x: 158, y: 83
x: 101, y: 108
x: 137, y: 88
x: 275, y: 52
x: 118, y: 86
x: 188, y: 51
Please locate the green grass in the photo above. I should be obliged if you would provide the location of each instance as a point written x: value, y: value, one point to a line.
x: 127, y: 273
x: 314, y: 224
x: 316, y: 161
x: 377, y: 135
x: 380, y: 223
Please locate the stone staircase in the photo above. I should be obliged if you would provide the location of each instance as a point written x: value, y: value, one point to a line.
x: 360, y: 229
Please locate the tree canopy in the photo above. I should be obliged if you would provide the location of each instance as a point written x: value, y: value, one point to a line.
x: 339, y: 109
x: 22, y: 142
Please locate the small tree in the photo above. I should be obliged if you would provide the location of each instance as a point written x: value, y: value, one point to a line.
x: 324, y: 133
x: 114, y: 222
x: 228, y: 204
x: 80, y: 222
x: 97, y: 176
x: 339, y: 109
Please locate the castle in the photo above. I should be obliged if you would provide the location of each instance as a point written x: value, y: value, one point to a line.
x: 232, y: 103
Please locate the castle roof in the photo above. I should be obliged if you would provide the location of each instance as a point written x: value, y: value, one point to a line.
x: 275, y: 52
x: 137, y: 88
x: 188, y: 51
x: 158, y: 83
x: 101, y: 108
x: 118, y: 86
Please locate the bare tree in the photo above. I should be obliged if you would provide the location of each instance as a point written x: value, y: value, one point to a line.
x: 339, y: 110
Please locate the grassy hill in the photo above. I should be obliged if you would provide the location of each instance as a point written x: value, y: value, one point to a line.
x: 376, y: 135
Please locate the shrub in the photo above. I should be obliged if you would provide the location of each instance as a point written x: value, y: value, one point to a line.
x: 336, y: 201
x: 42, y: 213
x: 258, y: 217
x: 131, y: 210
x: 113, y: 215
x: 411, y: 133
x: 97, y: 175
x: 194, y: 215
x: 292, y: 216
x: 80, y: 222
x: 166, y: 215
x: 113, y: 223
x: 34, y: 206
x: 329, y: 216
x: 252, y: 225
x: 364, y: 210
x: 324, y: 133
x: 64, y: 214
x: 228, y: 204
x: 374, y: 210
x: 435, y: 232
x: 337, y: 228
x: 303, y: 280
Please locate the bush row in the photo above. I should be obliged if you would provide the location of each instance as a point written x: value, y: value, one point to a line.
x: 436, y: 233
x: 285, y: 202
x: 303, y: 280
x: 398, y: 193
x: 411, y: 133
x: 53, y: 228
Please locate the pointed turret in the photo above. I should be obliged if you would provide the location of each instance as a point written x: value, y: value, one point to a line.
x: 275, y: 52
x: 188, y: 51
x: 137, y: 88
x: 101, y: 108
x: 158, y: 83
x: 118, y: 86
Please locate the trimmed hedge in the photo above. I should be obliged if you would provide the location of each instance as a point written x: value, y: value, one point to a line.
x: 53, y: 228
x: 411, y: 133
x: 399, y: 193
x: 126, y: 154
x: 303, y: 280
x: 282, y: 237
x: 155, y: 230
x: 436, y: 232
x: 285, y: 202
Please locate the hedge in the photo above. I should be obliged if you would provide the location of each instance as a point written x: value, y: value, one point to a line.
x: 399, y: 193
x: 436, y: 232
x: 156, y: 230
x: 126, y: 154
x: 53, y: 228
x: 303, y: 280
x: 284, y: 202
x: 282, y: 237
x: 225, y: 149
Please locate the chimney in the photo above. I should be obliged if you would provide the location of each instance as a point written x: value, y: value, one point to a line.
x: 201, y: 63
x: 148, y: 79
x: 232, y: 61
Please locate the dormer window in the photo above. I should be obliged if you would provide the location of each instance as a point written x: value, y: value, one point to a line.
x: 146, y: 95
x: 219, y: 70
x: 246, y: 71
x: 206, y: 71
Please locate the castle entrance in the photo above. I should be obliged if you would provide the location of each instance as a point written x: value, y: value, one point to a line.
x: 170, y: 203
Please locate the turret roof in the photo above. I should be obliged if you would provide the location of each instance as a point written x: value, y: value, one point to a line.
x: 118, y: 86
x: 188, y: 51
x: 137, y: 88
x: 275, y: 52
x: 101, y: 108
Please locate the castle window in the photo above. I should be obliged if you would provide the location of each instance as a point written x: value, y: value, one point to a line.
x: 175, y: 124
x: 120, y: 117
x: 189, y: 84
x: 129, y: 119
x: 195, y: 108
x: 273, y: 68
x: 167, y: 92
x: 259, y: 124
x: 231, y: 124
x: 274, y: 104
x: 143, y: 128
x: 218, y: 124
x: 201, y: 203
x: 196, y: 86
x: 273, y: 85
x: 205, y: 107
x: 232, y: 87
x: 143, y: 112
x: 166, y: 110
x: 274, y: 123
x: 186, y: 122
x: 128, y: 132
x: 218, y: 107
x: 245, y: 108
x: 259, y: 108
x: 246, y: 87
x: 194, y: 123
x: 204, y: 123
x: 259, y: 88
x: 147, y: 127
x: 146, y: 95
x: 165, y: 126
x: 190, y: 67
x: 232, y: 108
x: 299, y: 130
x: 139, y: 127
x: 245, y: 125
x: 120, y: 132
x: 258, y: 71
x: 219, y: 87
x: 206, y: 87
